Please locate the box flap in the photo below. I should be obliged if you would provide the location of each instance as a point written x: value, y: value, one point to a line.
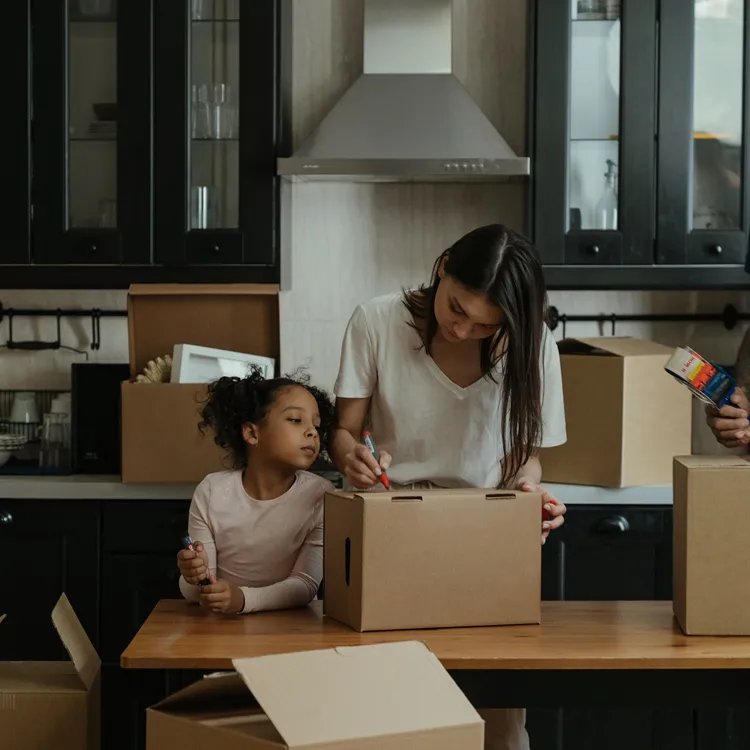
x: 713, y: 462
x: 76, y: 642
x: 619, y: 346
x: 237, y: 317
x: 357, y: 692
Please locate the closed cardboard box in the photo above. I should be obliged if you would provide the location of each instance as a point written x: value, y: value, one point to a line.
x: 626, y: 417
x: 160, y: 438
x: 53, y: 704
x: 384, y: 697
x: 711, y: 551
x: 432, y: 559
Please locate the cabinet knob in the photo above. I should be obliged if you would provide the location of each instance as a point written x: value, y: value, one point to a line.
x: 5, y: 517
x: 715, y: 250
x: 93, y: 248
x: 613, y: 525
x: 215, y: 249
x: 594, y: 250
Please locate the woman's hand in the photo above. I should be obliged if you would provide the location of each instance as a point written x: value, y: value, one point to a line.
x: 193, y: 564
x: 222, y: 597
x: 730, y: 424
x: 362, y: 469
x: 553, y: 511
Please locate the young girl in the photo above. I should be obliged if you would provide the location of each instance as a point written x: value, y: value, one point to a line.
x: 258, y: 530
x: 460, y: 383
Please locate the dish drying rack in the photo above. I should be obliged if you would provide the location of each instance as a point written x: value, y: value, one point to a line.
x: 29, y: 430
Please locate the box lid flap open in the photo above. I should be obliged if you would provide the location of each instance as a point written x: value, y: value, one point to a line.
x: 358, y: 692
x: 76, y: 642
x: 619, y: 346
x: 237, y: 317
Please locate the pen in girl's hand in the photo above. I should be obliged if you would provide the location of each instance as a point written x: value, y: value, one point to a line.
x: 187, y: 543
x: 370, y: 443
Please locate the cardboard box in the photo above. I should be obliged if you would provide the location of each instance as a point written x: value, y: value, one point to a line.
x: 432, y: 559
x: 388, y: 696
x: 627, y: 418
x: 160, y: 438
x: 711, y: 554
x: 53, y: 704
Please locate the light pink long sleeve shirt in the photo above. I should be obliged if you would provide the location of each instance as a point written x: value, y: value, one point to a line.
x: 271, y: 549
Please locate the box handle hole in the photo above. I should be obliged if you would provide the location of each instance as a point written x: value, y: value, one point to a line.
x: 347, y: 559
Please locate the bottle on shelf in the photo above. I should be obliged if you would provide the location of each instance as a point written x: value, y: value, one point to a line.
x: 605, y: 214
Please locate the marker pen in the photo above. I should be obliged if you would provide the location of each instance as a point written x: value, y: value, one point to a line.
x: 187, y: 543
x: 370, y: 443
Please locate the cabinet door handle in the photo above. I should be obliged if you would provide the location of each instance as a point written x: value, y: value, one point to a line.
x: 594, y: 250
x: 613, y: 525
x: 5, y: 517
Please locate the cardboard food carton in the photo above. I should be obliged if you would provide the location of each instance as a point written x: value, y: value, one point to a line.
x: 626, y: 417
x: 432, y: 559
x: 160, y: 438
x: 711, y: 554
x: 389, y: 696
x: 53, y: 704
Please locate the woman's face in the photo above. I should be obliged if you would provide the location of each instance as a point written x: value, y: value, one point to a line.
x: 463, y: 315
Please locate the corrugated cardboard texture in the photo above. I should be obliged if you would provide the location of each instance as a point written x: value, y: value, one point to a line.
x: 626, y: 418
x: 431, y: 559
x: 53, y: 704
x: 238, y: 317
x: 711, y: 554
x: 394, y: 696
x: 160, y: 438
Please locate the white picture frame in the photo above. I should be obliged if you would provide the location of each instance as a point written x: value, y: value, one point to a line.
x: 202, y: 364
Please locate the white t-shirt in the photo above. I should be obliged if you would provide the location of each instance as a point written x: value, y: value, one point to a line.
x: 271, y: 549
x: 435, y: 430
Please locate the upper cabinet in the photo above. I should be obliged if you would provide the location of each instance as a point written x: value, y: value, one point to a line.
x: 639, y: 171
x: 144, y: 141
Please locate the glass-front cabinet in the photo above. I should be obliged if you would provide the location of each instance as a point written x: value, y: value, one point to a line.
x: 144, y: 138
x: 639, y: 169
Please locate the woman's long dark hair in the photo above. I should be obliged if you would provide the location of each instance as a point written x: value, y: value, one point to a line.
x: 502, y: 264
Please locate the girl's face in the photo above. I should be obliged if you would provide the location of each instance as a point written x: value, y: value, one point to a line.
x: 463, y: 315
x: 288, y: 434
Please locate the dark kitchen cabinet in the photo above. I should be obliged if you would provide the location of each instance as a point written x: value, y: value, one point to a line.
x: 48, y: 547
x: 144, y: 138
x: 609, y: 553
x: 639, y: 165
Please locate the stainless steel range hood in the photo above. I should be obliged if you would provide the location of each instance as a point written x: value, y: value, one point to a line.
x: 407, y: 118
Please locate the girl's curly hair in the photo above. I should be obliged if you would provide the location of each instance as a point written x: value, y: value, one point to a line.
x: 234, y: 402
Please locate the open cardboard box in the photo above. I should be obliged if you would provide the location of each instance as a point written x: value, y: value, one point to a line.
x: 432, y: 558
x: 53, y: 704
x: 389, y: 696
x: 626, y: 418
x: 160, y: 438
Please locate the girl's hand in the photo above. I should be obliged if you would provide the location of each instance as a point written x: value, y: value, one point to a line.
x: 362, y: 469
x: 193, y: 564
x: 553, y: 510
x: 222, y: 597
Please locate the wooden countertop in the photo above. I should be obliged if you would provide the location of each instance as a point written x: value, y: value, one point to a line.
x: 573, y: 635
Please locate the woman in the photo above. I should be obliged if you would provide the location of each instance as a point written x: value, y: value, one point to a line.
x: 460, y: 384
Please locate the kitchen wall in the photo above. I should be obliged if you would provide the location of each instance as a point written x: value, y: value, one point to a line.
x: 352, y: 241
